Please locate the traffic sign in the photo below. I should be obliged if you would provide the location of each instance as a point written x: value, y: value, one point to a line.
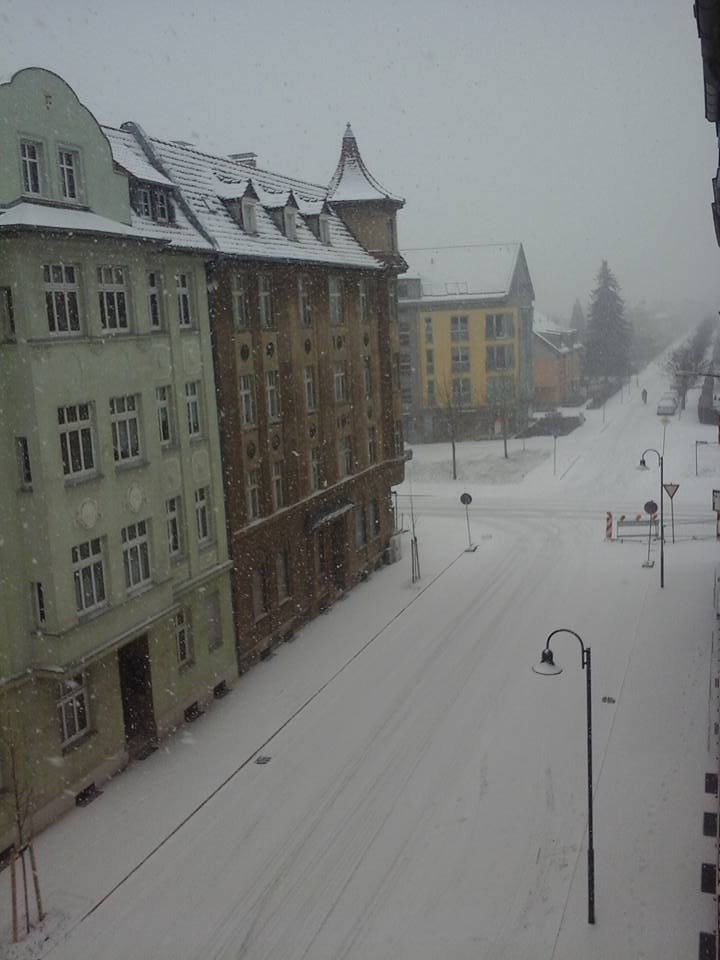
x: 671, y: 489
x: 664, y: 421
x: 651, y: 507
x: 465, y: 498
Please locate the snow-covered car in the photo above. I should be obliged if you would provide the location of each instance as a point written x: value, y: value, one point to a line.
x: 667, y: 406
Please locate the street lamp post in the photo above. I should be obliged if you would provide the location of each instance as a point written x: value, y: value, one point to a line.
x: 644, y: 466
x: 548, y: 668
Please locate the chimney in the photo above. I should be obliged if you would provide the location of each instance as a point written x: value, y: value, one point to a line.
x: 249, y: 158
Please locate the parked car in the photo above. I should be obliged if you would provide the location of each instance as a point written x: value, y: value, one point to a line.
x: 667, y: 405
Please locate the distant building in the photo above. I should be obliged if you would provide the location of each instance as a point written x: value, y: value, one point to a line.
x: 557, y: 364
x: 466, y: 316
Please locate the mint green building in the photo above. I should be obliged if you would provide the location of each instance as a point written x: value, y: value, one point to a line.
x: 115, y: 615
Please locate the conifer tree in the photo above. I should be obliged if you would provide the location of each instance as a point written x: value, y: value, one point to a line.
x: 609, y: 335
x: 577, y: 320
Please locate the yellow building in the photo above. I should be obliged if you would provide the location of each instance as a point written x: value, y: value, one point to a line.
x: 466, y: 316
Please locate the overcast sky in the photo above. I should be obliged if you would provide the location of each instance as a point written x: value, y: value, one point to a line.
x: 574, y: 127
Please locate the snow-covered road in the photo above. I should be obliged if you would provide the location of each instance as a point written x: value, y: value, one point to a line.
x: 426, y: 793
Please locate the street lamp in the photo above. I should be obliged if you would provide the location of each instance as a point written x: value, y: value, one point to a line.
x: 644, y: 466
x: 548, y: 668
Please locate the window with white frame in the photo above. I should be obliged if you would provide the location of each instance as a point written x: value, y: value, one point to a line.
x: 136, y: 554
x: 259, y: 593
x: 430, y: 362
x: 38, y: 597
x: 499, y: 358
x: 459, y: 329
x: 72, y: 708
x: 154, y: 300
x: 145, y: 208
x: 184, y: 299
x: 252, y: 494
x: 162, y: 206
x: 192, y: 403
x: 112, y: 294
x: 88, y: 575
x: 428, y: 330
x: 324, y: 226
x: 367, y: 377
x: 462, y: 390
x: 69, y: 163
x: 241, y: 314
x: 183, y: 637
x: 336, y: 300
x: 282, y: 575
x: 278, y: 485
x: 265, y: 302
x: 314, y: 468
x: 499, y: 389
x: 340, y: 383
x: 202, y: 514
x: 398, y: 437
x: 360, y: 527
x: 460, y: 359
x: 372, y: 445
x: 173, y: 519
x: 249, y: 215
x: 125, y: 426
x: 76, y: 440
x: 309, y: 378
x: 272, y: 384
x: 7, y: 314
x: 345, y: 457
x: 213, y: 616
x: 431, y: 392
x: 61, y: 298
x: 33, y: 174
x: 364, y: 313
x: 22, y: 453
x: 163, y: 403
x: 306, y: 317
x: 247, y: 399
x: 290, y: 223
x: 499, y: 326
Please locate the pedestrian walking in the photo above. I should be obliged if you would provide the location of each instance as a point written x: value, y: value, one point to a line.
x: 644, y: 395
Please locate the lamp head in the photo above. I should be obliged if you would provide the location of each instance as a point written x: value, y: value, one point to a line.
x: 642, y: 465
x: 547, y: 666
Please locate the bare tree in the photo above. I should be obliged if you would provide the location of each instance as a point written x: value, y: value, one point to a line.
x: 452, y: 408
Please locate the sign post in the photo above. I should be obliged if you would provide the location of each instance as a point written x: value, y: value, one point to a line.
x: 716, y: 508
x: 671, y: 489
x: 651, y: 509
x: 466, y: 500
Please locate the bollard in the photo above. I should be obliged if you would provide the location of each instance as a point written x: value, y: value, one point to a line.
x: 608, y: 526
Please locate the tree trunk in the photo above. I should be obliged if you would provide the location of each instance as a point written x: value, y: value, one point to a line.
x: 453, y: 456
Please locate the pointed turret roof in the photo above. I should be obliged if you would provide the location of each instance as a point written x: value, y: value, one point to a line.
x: 352, y: 182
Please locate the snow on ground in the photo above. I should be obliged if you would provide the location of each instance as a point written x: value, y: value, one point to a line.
x: 426, y: 793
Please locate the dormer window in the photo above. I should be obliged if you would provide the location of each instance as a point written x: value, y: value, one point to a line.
x: 249, y: 215
x: 290, y: 223
x: 69, y: 164
x: 32, y: 167
x: 153, y: 203
x: 161, y: 205
x: 324, y: 229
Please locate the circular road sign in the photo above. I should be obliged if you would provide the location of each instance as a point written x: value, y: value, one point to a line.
x: 650, y: 507
x: 465, y: 498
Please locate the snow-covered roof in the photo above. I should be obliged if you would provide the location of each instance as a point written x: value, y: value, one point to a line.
x: 457, y: 272
x: 352, y: 181
x: 41, y: 216
x: 128, y: 154
x: 543, y: 324
x: 198, y: 175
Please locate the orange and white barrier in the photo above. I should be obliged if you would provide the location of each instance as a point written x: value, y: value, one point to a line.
x: 608, y: 526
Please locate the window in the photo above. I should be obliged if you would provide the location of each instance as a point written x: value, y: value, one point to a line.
x: 192, y: 402
x: 372, y: 445
x: 431, y: 392
x: 499, y: 326
x: 145, y: 202
x: 247, y: 399
x: 174, y: 526
x: 428, y: 330
x: 136, y: 554
x: 462, y: 390
x: 367, y: 378
x: 398, y: 437
x: 7, y: 314
x: 72, y: 709
x: 76, y: 440
x: 309, y: 377
x: 125, y: 428
x: 32, y: 167
x: 153, y: 295
x: 240, y: 304
x: 38, y: 596
x: 345, y: 457
x: 406, y: 395
x: 88, y: 575
x: 61, y: 298
x: 22, y: 452
x: 460, y: 359
x: 69, y: 173
x: 324, y: 226
x: 336, y: 300
x: 306, y: 318
x: 364, y: 313
x: 278, y: 490
x: 314, y: 468
x: 272, y: 383
x: 252, y: 494
x: 265, y: 302
x: 499, y: 358
x: 259, y: 594
x: 183, y: 637
x: 282, y: 573
x: 459, y: 329
x: 162, y: 207
x: 113, y: 298
x: 182, y: 287
x: 392, y: 297
x: 374, y: 508
x: 202, y: 514
x: 340, y: 383
x: 360, y: 527
x: 249, y: 215
x: 430, y: 362
x: 290, y: 223
x: 500, y: 389
x: 396, y: 370
x: 213, y: 615
x: 164, y: 415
